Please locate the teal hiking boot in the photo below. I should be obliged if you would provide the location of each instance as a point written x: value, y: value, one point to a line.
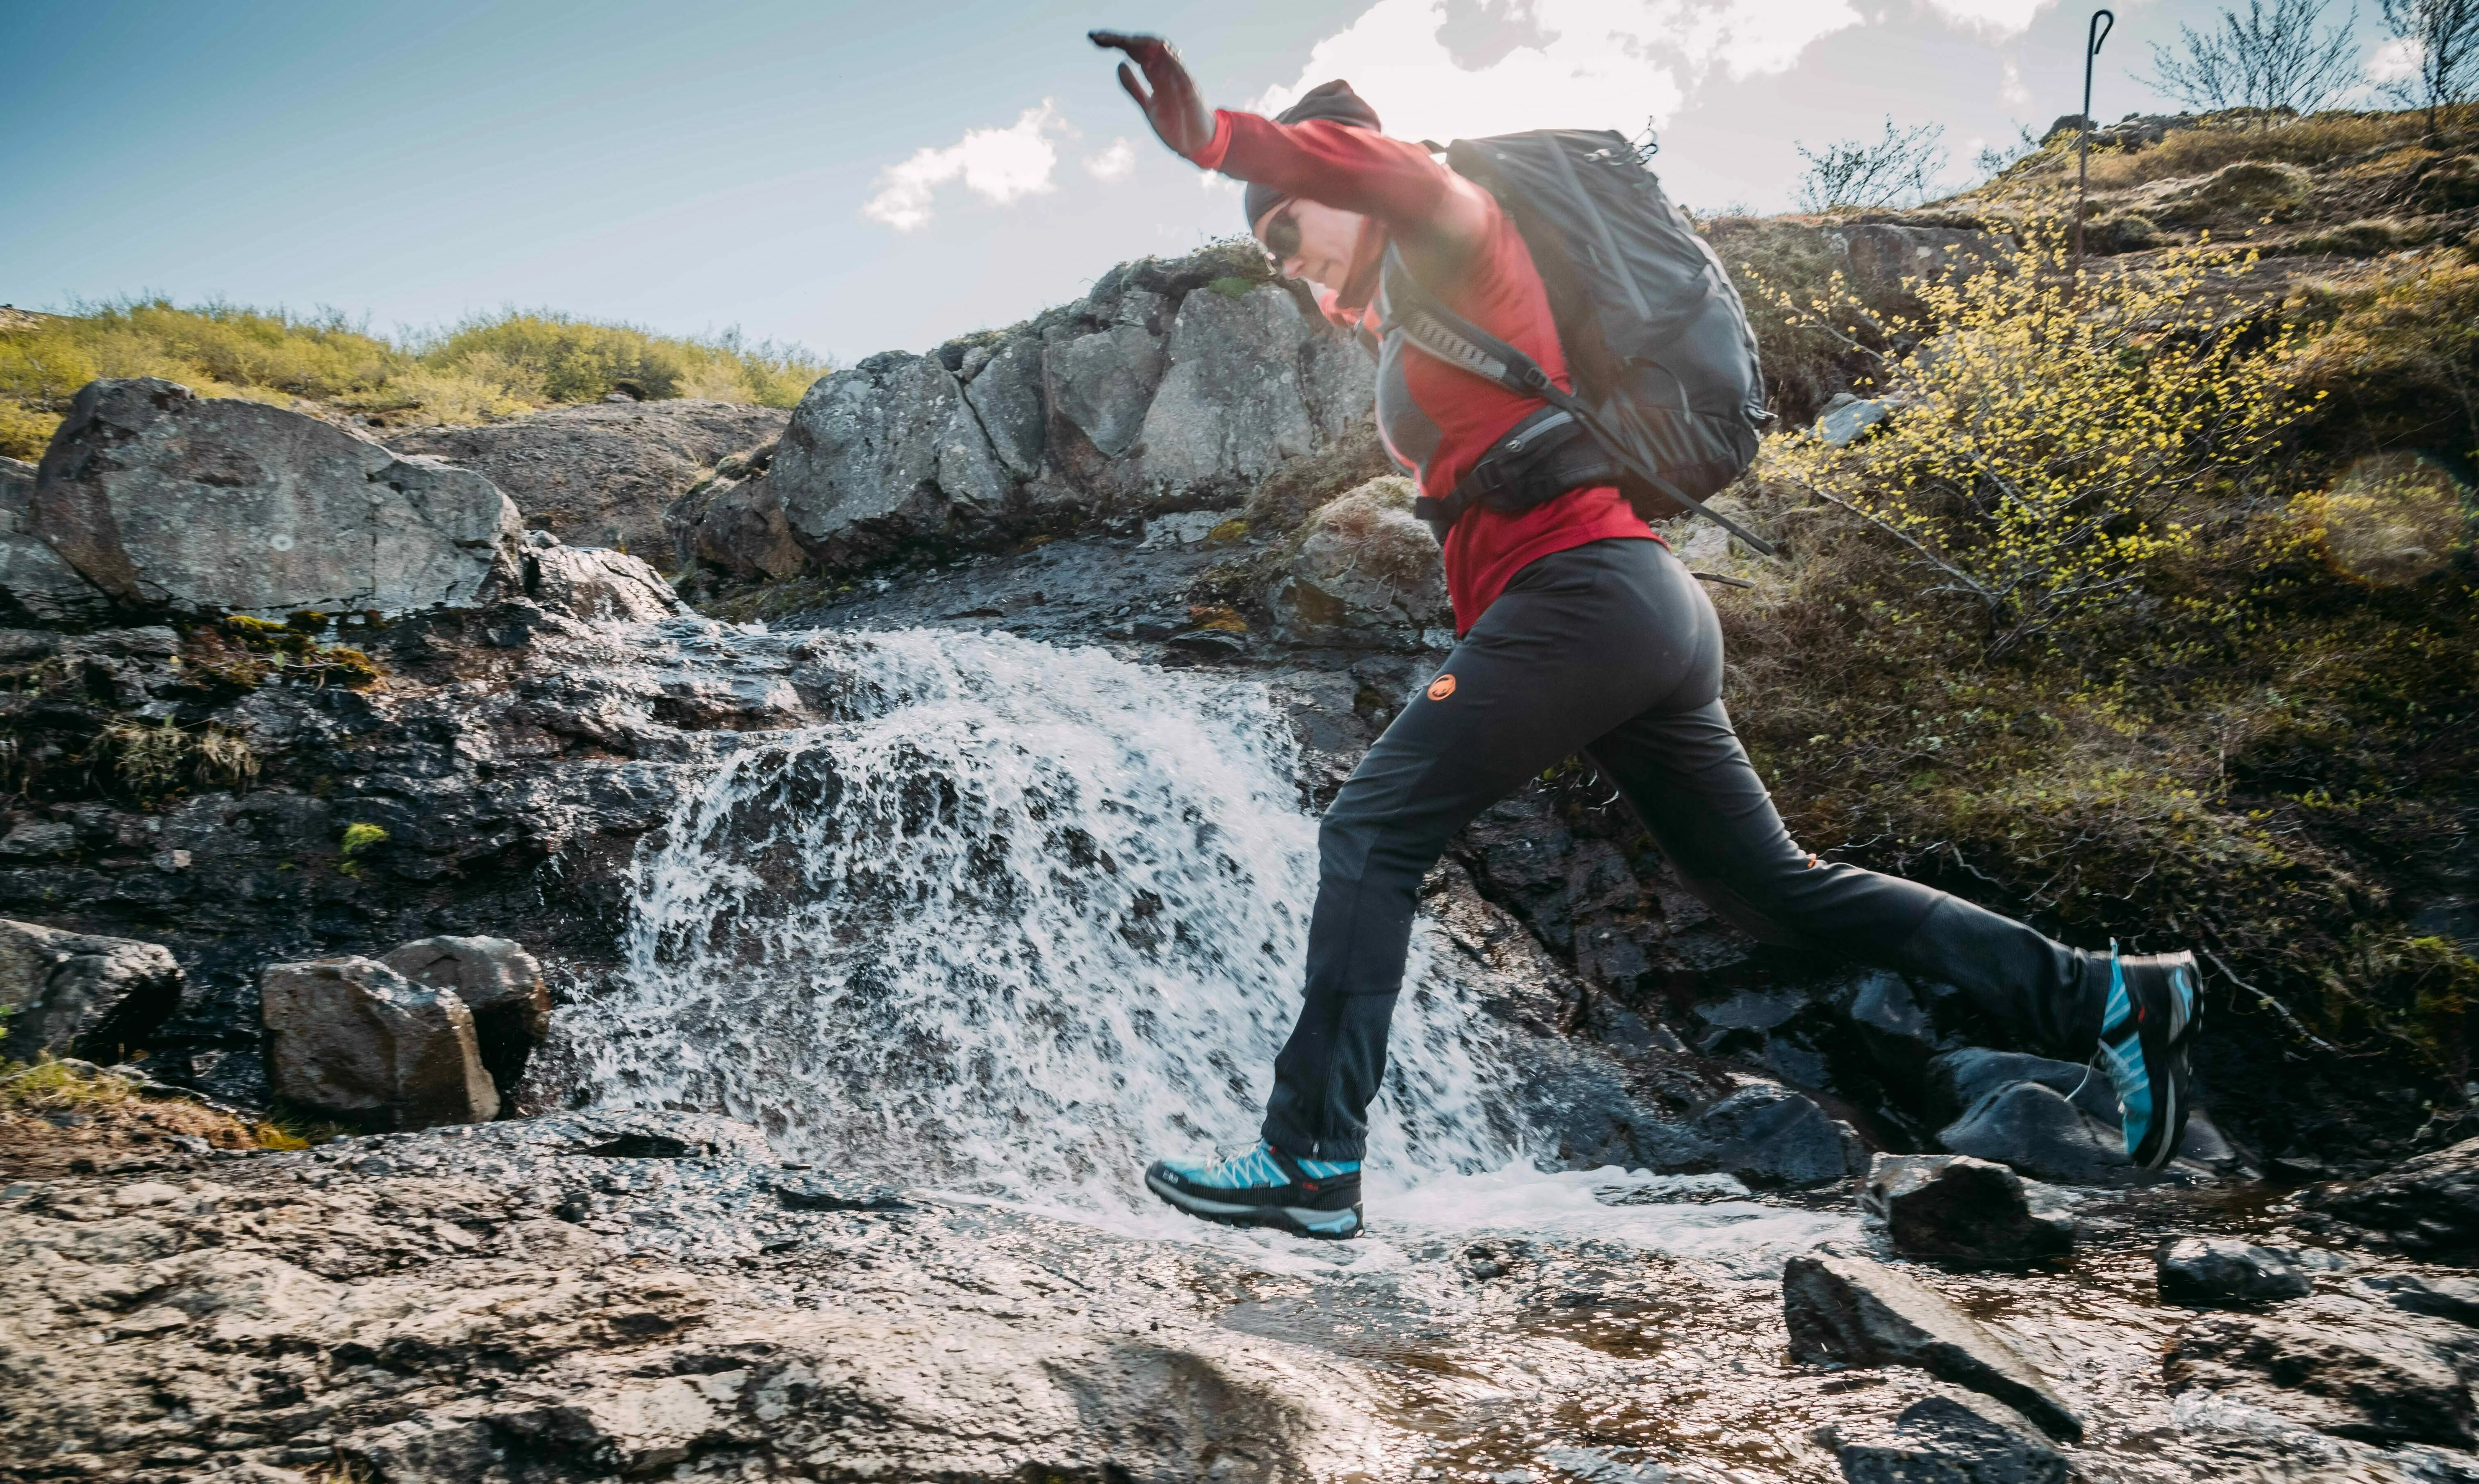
x: 2153, y: 1008
x: 1264, y: 1187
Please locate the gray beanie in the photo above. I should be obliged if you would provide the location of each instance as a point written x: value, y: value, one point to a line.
x: 1333, y: 100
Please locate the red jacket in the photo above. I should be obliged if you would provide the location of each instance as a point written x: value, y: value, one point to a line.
x: 1436, y: 418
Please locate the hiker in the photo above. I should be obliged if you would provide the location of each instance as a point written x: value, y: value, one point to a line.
x: 1578, y: 631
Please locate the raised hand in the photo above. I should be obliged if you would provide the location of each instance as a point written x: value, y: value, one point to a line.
x: 1179, y: 117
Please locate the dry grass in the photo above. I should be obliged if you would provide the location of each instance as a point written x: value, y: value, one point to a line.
x: 61, y: 1117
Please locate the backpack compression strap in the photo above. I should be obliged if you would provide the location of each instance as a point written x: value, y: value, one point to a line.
x: 1441, y: 332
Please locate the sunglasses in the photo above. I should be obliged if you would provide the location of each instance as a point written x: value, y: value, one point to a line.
x: 1281, y: 235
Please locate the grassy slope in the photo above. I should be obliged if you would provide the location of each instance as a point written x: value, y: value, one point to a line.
x: 2269, y: 746
x: 490, y: 367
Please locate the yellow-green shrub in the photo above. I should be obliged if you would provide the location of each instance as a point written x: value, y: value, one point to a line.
x: 2047, y: 429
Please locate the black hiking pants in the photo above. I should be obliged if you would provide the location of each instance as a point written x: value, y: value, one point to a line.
x: 1611, y: 650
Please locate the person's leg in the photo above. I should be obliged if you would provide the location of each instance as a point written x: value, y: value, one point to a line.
x: 1569, y: 651
x: 1681, y: 768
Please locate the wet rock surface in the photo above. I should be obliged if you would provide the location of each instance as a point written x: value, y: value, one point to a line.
x: 2357, y: 1372
x: 591, y: 1297
x: 2429, y: 1205
x: 1948, y: 1438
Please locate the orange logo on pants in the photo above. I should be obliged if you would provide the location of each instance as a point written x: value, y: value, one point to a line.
x: 1442, y: 687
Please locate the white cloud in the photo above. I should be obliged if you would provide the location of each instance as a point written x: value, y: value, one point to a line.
x: 1608, y: 63
x: 2396, y: 60
x: 999, y: 165
x: 1993, y: 18
x: 1116, y: 163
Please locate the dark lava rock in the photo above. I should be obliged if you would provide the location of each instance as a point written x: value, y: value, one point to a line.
x: 2379, y: 1384
x: 2430, y: 1205
x: 1770, y: 1135
x: 1957, y: 1209
x: 2037, y: 1131
x: 1858, y: 1313
x: 1939, y: 1440
x: 836, y: 1192
x: 2220, y: 1270
x: 2445, y: 1298
x: 68, y: 995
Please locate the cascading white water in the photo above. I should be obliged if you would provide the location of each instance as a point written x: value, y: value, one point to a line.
x: 1029, y: 917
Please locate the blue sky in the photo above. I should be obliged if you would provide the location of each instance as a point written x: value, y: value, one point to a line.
x: 861, y: 177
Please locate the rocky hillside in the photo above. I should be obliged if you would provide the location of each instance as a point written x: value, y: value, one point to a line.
x: 343, y: 774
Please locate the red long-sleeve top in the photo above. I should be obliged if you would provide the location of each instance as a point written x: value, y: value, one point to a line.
x: 1436, y: 418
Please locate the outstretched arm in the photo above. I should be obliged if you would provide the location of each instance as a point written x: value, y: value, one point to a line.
x: 1436, y: 216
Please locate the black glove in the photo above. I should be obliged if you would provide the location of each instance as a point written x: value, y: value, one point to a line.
x: 1179, y: 117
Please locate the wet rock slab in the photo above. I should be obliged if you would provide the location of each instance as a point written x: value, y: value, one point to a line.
x: 1858, y: 1313
x: 2428, y: 1206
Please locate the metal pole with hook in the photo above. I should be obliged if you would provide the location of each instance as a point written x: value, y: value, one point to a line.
x: 2094, y: 33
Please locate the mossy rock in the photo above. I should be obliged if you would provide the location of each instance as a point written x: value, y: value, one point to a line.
x: 2448, y: 185
x: 2249, y: 190
x: 2124, y: 232
x: 2368, y: 239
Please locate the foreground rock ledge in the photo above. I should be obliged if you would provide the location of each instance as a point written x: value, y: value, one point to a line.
x: 297, y: 1315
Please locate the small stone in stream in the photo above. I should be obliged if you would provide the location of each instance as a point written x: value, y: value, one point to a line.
x: 642, y: 1146
x: 1940, y: 1440
x: 2380, y: 1385
x: 2445, y: 1298
x: 2205, y: 1270
x: 2036, y: 1130
x: 831, y: 1193
x: 1958, y: 1209
x: 1209, y: 643
x: 1858, y: 1313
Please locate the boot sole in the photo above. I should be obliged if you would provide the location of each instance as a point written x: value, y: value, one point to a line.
x: 1298, y: 1220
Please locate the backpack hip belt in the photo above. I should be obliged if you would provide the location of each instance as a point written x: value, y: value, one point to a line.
x: 1537, y: 460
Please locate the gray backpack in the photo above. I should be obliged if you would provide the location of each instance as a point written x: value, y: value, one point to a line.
x: 1668, y: 393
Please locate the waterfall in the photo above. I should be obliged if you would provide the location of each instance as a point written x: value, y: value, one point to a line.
x: 1017, y: 920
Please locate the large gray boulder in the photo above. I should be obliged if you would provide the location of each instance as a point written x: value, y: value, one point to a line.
x: 1004, y: 389
x: 1888, y: 258
x: 602, y: 474
x: 353, y: 1038
x: 1364, y: 572
x: 68, y: 995
x: 501, y: 986
x: 32, y: 575
x: 165, y: 499
x: 1771, y: 1135
x: 889, y: 448
x: 1853, y: 1312
x: 1232, y: 404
